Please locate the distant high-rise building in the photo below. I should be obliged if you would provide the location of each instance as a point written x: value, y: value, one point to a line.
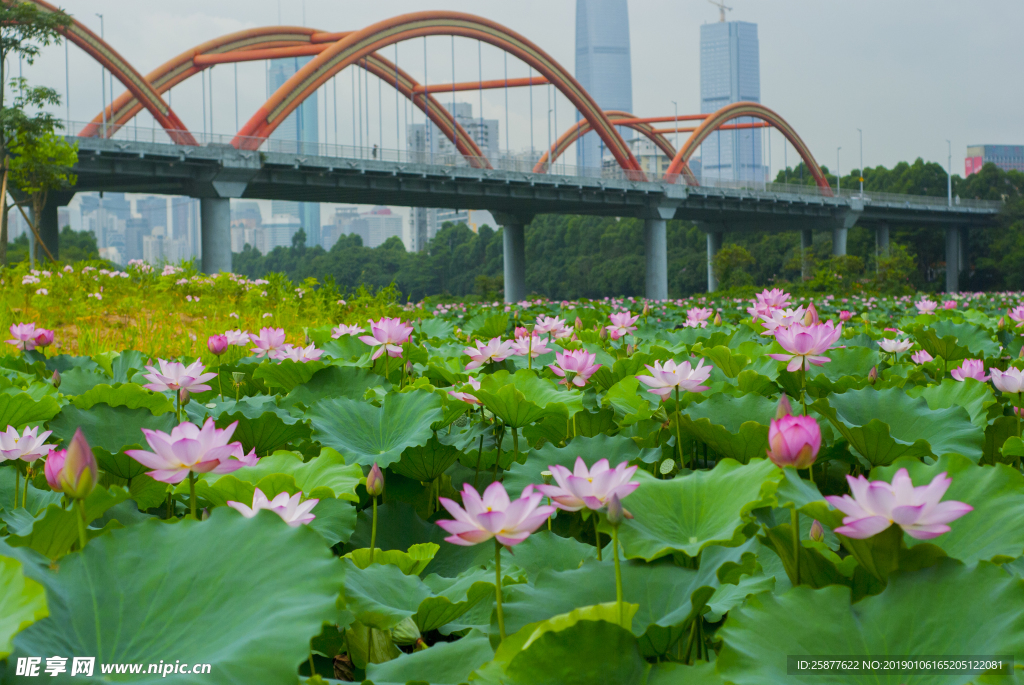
x: 377, y: 226
x: 730, y: 72
x: 245, y: 219
x: 299, y: 133
x: 136, y: 230
x: 1006, y: 157
x: 602, y: 66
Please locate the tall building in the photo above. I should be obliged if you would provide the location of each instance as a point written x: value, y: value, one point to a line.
x: 299, y: 133
x: 602, y: 66
x: 377, y: 226
x: 1006, y: 157
x: 730, y: 72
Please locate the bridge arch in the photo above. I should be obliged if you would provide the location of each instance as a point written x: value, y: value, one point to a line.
x: 583, y: 127
x: 359, y: 44
x: 99, y: 50
x: 744, y: 109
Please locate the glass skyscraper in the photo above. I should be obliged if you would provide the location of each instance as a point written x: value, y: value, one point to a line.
x: 299, y: 133
x: 602, y: 65
x: 730, y: 72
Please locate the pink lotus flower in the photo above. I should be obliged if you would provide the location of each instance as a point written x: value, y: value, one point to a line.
x: 23, y: 336
x: 574, y: 367
x: 465, y: 396
x: 926, y: 306
x: 74, y: 471
x: 44, y: 336
x: 494, y: 351
x: 622, y: 324
x: 520, y: 332
x: 921, y: 357
x: 27, y: 445
x: 267, y: 341
x: 341, y: 330
x: 782, y: 318
x: 387, y: 335
x: 895, y: 346
x: 531, y: 346
x: 297, y: 354
x: 793, y: 441
x: 217, y: 344
x: 175, y: 376
x: 238, y: 338
x: 876, y: 505
x: 970, y: 368
x: 494, y: 516
x: 1009, y: 381
x: 806, y: 344
x: 666, y: 378
x: 288, y: 508
x: 1017, y: 314
x: 191, y: 448
x: 845, y: 315
x: 591, y: 488
x: 549, y: 324
x: 949, y: 304
x: 766, y: 302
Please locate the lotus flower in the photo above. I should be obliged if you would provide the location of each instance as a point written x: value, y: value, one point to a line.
x: 806, y: 344
x: 494, y: 351
x: 387, y: 335
x: 175, y: 376
x: 698, y: 315
x: 876, y: 505
x: 494, y: 516
x: 921, y: 357
x: 238, y: 338
x: 217, y: 344
x: 895, y: 346
x: 574, y: 367
x: 1009, y: 381
x: 375, y: 481
x: 590, y: 488
x: 465, y: 396
x: 622, y: 324
x: 53, y: 466
x: 926, y: 306
x: 44, y: 337
x: 341, y: 330
x: 297, y: 354
x: 288, y: 508
x: 782, y: 318
x: 970, y: 368
x: 78, y: 473
x: 191, y: 448
x: 23, y: 336
x: 793, y: 441
x: 845, y: 315
x: 766, y: 302
x: 549, y: 324
x: 666, y: 378
x: 27, y: 446
x: 1017, y: 314
x: 949, y: 304
x: 267, y: 341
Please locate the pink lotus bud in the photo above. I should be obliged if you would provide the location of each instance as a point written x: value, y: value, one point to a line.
x: 1002, y: 323
x: 217, y: 344
x: 629, y: 350
x: 521, y: 332
x: 78, y: 477
x: 54, y: 465
x: 845, y: 315
x: 810, y: 315
x: 784, y: 407
x: 647, y: 309
x: 817, y: 532
x: 794, y: 441
x: 873, y: 375
x: 55, y: 378
x: 579, y: 323
x: 718, y: 319
x: 183, y: 396
x: 602, y: 334
x: 616, y: 512
x: 43, y: 337
x: 375, y: 481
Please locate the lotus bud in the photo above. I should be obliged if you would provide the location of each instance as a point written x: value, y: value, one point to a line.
x: 602, y: 333
x: 1002, y: 323
x: 54, y: 465
x: 616, y: 512
x: 375, y: 481
x: 78, y: 477
x: 579, y: 324
x: 183, y: 396
x: 785, y: 409
x: 811, y: 315
x: 794, y: 441
x: 873, y: 375
x: 647, y: 309
x: 305, y: 333
x: 44, y: 337
x: 817, y: 532
x: 718, y: 318
x: 55, y: 378
x: 629, y: 350
x: 217, y: 344
x: 520, y: 332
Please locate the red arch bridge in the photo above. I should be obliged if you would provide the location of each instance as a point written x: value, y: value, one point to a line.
x: 171, y: 159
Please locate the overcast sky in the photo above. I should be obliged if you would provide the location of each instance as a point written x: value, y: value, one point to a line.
x: 910, y: 73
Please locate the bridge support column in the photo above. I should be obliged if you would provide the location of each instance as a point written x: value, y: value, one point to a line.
x: 656, y: 253
x: 714, y: 245
x: 839, y: 242
x: 806, y: 241
x: 513, y: 254
x: 952, y: 259
x: 215, y: 225
x: 49, y: 231
x: 882, y: 241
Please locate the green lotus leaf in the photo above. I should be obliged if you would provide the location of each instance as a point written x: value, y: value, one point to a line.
x: 333, y: 381
x: 55, y: 530
x: 913, y: 428
x: 734, y: 427
x: 36, y: 501
x: 487, y: 327
x: 945, y: 609
x: 411, y: 562
x: 974, y: 337
x: 366, y: 434
x: 696, y: 510
x: 124, y: 395
x: 78, y: 380
x: 426, y: 462
x: 22, y: 602
x: 286, y: 373
x: 520, y: 399
x: 630, y: 402
x: 445, y: 663
x: 670, y: 673
x: 110, y: 428
x: 21, y: 409
x: 134, y: 596
x: 945, y: 346
x: 437, y: 328
x: 545, y: 550
x: 974, y: 396
x: 335, y: 519
x: 265, y: 433
x: 453, y: 597
x: 855, y: 362
x: 380, y: 596
x: 328, y: 470
x: 724, y: 359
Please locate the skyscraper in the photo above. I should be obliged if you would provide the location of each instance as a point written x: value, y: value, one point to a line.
x: 730, y: 72
x: 602, y: 65
x: 299, y: 133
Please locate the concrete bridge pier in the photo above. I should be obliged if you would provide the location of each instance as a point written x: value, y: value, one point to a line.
x: 806, y: 241
x: 882, y: 240
x: 215, y: 222
x: 714, y: 245
x: 514, y: 254
x: 953, y: 259
x: 656, y: 255
x: 844, y: 220
x: 839, y: 242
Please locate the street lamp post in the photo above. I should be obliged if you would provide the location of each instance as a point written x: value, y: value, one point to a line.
x: 839, y: 179
x: 675, y: 109
x: 103, y: 78
x: 861, y: 134
x: 949, y: 174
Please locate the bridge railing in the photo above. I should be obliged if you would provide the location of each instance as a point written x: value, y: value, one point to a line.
x: 523, y: 161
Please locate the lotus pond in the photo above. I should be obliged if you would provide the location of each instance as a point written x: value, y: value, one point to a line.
x: 578, y: 492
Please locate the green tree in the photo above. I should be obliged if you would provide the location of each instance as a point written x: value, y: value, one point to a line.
x: 731, y: 264
x: 39, y: 164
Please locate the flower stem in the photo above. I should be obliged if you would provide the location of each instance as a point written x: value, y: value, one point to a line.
x: 80, y: 505
x: 312, y: 668
x: 618, y: 574
x: 479, y: 457
x: 803, y: 387
x: 220, y: 393
x: 794, y: 517
x: 373, y: 531
x: 597, y: 537
x: 192, y: 494
x: 17, y: 483
x: 497, y: 588
x: 679, y: 441
x: 28, y: 476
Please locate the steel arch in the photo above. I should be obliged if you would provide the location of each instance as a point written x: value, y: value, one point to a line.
x: 361, y: 43
x: 746, y: 109
x: 99, y: 50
